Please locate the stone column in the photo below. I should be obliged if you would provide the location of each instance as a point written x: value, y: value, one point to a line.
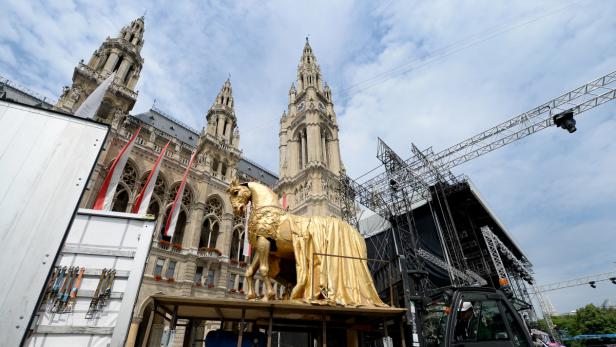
x: 111, y: 61
x: 228, y: 134
x: 293, y: 159
x: 193, y: 227
x: 223, y: 244
x: 334, y: 151
x: 314, y: 142
x: 225, y: 233
x: 324, y: 149
x: 123, y: 69
x: 284, y: 165
x: 221, y: 124
x: 303, y: 140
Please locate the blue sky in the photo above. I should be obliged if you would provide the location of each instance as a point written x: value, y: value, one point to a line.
x: 429, y: 72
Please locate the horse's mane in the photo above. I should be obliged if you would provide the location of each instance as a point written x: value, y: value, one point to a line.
x: 263, y: 195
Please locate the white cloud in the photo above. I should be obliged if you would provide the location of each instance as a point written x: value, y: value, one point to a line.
x: 461, y: 69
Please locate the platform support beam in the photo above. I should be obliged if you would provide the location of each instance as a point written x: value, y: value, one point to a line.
x: 240, y: 335
x: 269, y: 327
x: 324, y: 342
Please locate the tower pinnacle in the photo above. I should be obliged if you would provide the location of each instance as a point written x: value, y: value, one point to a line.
x: 122, y: 55
x: 309, y: 150
x: 221, y: 121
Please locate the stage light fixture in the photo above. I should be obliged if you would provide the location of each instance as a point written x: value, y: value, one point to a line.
x: 613, y: 279
x: 593, y: 284
x: 393, y: 184
x: 565, y: 120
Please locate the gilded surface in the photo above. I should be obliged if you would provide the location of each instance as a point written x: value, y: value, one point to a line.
x: 328, y: 254
x: 264, y: 221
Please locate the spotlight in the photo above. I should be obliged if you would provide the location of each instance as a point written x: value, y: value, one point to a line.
x: 393, y: 184
x: 593, y: 284
x: 613, y: 279
x: 565, y: 120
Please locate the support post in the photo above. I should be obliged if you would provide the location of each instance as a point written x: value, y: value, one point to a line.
x: 240, y: 335
x: 402, y: 339
x: 324, y: 337
x: 269, y: 328
x: 146, y: 336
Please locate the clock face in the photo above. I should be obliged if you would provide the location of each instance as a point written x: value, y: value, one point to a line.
x: 301, y: 106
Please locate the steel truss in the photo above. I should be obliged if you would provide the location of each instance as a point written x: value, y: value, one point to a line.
x: 606, y: 276
x: 423, y: 178
x: 579, y: 100
x: 421, y: 171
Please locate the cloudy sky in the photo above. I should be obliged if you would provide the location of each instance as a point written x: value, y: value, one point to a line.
x: 428, y: 72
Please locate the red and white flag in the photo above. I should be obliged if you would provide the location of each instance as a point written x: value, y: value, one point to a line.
x: 104, y: 200
x: 90, y: 105
x: 143, y: 199
x: 283, y: 201
x: 172, y: 219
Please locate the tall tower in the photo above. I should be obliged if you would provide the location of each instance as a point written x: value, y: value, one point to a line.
x: 121, y: 54
x: 309, y: 150
x: 220, y: 140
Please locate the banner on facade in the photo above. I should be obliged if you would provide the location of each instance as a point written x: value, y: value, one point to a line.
x: 172, y: 219
x: 104, y: 199
x: 143, y: 199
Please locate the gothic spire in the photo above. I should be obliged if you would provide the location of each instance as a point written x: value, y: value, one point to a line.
x: 225, y: 96
x: 308, y: 71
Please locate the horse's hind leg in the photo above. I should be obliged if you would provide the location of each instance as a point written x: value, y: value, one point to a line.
x: 250, y: 280
x: 263, y: 248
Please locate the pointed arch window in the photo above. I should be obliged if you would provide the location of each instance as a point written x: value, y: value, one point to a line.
x: 128, y: 73
x: 120, y: 203
x: 125, y: 189
x: 211, y: 223
x: 118, y: 63
x: 237, y: 241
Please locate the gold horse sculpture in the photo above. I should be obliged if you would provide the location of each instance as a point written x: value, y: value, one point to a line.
x: 323, y: 258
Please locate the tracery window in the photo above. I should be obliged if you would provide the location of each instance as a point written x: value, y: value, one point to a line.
x: 211, y: 223
x: 237, y: 241
x: 125, y: 188
x: 186, y: 196
x: 120, y: 203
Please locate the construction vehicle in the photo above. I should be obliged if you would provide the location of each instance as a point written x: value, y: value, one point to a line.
x: 469, y: 316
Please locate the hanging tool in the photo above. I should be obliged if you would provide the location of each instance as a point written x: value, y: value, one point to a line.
x: 95, y: 297
x: 73, y: 294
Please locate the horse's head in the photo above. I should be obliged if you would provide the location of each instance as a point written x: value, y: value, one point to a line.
x: 239, y: 195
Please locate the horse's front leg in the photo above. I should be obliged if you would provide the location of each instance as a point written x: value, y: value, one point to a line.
x: 250, y: 274
x: 263, y: 249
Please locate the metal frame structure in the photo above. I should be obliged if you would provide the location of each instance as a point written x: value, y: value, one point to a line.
x: 425, y: 169
x: 420, y: 179
x: 605, y: 276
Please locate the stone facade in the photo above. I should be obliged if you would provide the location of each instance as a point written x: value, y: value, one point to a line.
x: 121, y: 55
x: 310, y: 163
x: 204, y: 256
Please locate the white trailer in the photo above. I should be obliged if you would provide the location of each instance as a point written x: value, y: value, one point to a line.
x: 46, y: 159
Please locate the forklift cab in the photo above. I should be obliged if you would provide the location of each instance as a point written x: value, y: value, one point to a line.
x: 472, y: 317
